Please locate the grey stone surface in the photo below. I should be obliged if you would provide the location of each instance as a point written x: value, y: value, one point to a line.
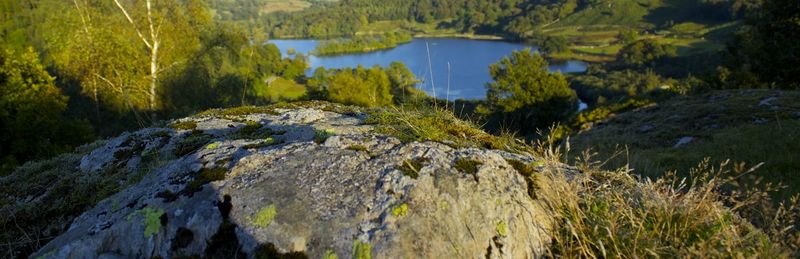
x: 328, y: 195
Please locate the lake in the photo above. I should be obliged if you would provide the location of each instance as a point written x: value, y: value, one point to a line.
x: 469, y: 62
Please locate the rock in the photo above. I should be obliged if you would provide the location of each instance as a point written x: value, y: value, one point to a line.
x: 768, y: 103
x: 645, y: 128
x: 287, y: 188
x: 683, y: 141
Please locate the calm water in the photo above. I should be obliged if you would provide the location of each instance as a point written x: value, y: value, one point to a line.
x: 469, y: 62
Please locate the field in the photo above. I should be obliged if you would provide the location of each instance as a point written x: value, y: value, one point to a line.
x: 419, y: 30
x: 284, y: 6
x: 281, y: 90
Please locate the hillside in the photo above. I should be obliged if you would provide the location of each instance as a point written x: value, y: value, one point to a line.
x: 590, y: 30
x: 750, y: 126
x: 324, y: 180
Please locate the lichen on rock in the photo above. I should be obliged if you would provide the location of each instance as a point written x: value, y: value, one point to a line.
x: 314, y: 180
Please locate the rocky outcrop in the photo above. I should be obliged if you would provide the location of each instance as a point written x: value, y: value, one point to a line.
x: 303, y: 182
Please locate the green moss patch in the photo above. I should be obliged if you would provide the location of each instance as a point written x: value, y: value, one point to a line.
x: 528, y: 172
x: 264, y: 216
x: 411, y: 167
x: 184, y: 125
x: 468, y: 166
x: 253, y: 130
x: 208, y: 175
x: 265, y: 143
x: 193, y: 142
x: 322, y: 135
x: 358, y: 148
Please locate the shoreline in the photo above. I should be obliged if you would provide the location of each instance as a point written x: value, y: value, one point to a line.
x: 557, y: 57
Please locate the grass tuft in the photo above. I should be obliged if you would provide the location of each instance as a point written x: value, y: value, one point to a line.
x: 411, y: 167
x: 321, y: 135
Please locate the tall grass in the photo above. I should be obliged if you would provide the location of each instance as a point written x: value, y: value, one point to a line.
x: 614, y: 214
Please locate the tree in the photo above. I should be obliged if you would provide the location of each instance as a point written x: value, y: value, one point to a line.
x: 165, y: 26
x: 766, y: 53
x: 525, y: 92
x: 359, y: 86
x: 31, y: 108
x: 645, y: 53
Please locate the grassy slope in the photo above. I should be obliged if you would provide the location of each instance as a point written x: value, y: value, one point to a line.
x: 592, y: 32
x: 724, y: 125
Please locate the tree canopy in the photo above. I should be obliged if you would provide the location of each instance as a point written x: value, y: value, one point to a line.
x: 527, y: 93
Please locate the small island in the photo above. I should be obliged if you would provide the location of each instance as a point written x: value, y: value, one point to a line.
x: 362, y: 43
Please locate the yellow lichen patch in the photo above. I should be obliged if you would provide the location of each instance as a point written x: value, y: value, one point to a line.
x: 264, y: 216
x: 151, y: 220
x: 502, y: 228
x: 400, y: 210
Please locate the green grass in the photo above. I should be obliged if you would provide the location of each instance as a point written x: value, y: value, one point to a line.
x: 433, y: 124
x: 281, y: 90
x: 722, y: 129
x: 624, y: 12
x: 288, y: 6
x: 418, y: 29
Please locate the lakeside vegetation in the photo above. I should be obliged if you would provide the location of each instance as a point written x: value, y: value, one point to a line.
x: 362, y: 44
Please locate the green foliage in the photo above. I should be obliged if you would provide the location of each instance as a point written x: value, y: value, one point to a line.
x: 279, y: 89
x: 764, y: 54
x: 645, y: 53
x: 361, y: 250
x: 526, y: 94
x: 362, y: 87
x: 361, y: 44
x: 31, y: 109
x: 264, y: 216
x: 62, y: 192
x: 548, y: 43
